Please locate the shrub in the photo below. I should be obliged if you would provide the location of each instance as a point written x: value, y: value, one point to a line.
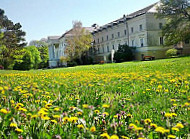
x: 171, y: 52
x: 124, y: 53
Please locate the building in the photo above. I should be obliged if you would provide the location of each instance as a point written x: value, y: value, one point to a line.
x: 141, y: 30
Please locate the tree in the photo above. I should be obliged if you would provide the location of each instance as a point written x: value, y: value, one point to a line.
x: 177, y: 15
x: 78, y: 42
x: 26, y: 58
x: 124, y: 53
x: 13, y: 39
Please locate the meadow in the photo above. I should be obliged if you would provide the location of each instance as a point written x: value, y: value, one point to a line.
x: 129, y: 100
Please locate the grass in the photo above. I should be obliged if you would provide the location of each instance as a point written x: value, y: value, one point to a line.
x: 149, y: 99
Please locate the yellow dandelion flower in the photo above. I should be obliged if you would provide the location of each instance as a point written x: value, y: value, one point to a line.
x: 56, y: 109
x: 105, y: 106
x: 105, y: 135
x: 13, y: 125
x: 4, y: 111
x: 85, y: 106
x: 179, y: 125
x: 73, y: 119
x: 147, y: 121
x: 12, y: 101
x: 80, y: 126
x: 153, y: 125
x: 175, y: 129
x: 54, y: 121
x: 114, y: 137
x: 124, y: 137
x: 18, y: 130
x: 79, y: 113
x: 171, y: 136
x: 56, y: 116
x: 160, y: 130
x: 93, y: 129
x: 45, y: 118
x: 105, y: 113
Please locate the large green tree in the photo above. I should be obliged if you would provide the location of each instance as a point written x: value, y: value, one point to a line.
x: 13, y: 39
x: 177, y: 15
x: 78, y: 41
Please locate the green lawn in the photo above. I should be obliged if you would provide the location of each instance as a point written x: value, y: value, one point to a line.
x: 149, y: 99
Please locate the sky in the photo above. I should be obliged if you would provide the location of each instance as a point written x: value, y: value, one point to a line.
x: 42, y: 18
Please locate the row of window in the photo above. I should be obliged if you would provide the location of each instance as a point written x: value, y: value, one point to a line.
x: 112, y: 36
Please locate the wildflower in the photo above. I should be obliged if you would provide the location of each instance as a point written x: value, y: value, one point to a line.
x: 93, y: 129
x: 12, y: 101
x: 65, y: 119
x: 80, y: 126
x: 45, y: 118
x: 160, y: 130
x: 172, y: 100
x: 139, y: 128
x: 179, y: 125
x: 18, y: 130
x: 19, y: 105
x: 34, y: 116
x: 171, y: 136
x: 147, y: 121
x: 129, y: 115
x: 73, y: 119
x: 56, y: 116
x: 13, y: 125
x: 105, y: 135
x: 85, y: 106
x: 54, y: 121
x: 105, y: 113
x: 56, y: 109
x: 173, y: 114
x: 79, y: 113
x: 124, y: 137
x: 22, y: 109
x: 132, y: 126
x: 168, y: 115
x: 114, y: 137
x: 4, y: 111
x: 153, y: 125
x: 175, y: 129
x: 105, y: 106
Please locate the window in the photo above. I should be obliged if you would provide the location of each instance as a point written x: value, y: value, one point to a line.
x: 98, y: 40
x: 125, y: 32
x: 133, y: 42
x: 161, y: 41
x: 140, y: 27
x: 141, y: 42
x: 132, y: 30
x: 160, y: 25
x: 102, y: 39
x: 118, y: 33
x: 103, y: 49
x: 112, y: 36
x: 98, y: 50
x: 113, y: 46
x: 108, y: 49
x: 107, y: 37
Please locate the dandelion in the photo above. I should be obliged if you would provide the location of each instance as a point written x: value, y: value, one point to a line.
x: 171, y: 136
x: 93, y: 129
x: 160, y: 130
x: 18, y: 130
x: 85, y: 106
x: 105, y: 106
x: 73, y: 119
x: 54, y: 121
x: 153, y: 125
x: 105, y: 135
x: 13, y: 125
x: 4, y: 111
x: 80, y: 126
x: 175, y: 129
x: 147, y: 121
x: 56, y: 116
x: 114, y: 137
x: 124, y: 137
x: 179, y: 125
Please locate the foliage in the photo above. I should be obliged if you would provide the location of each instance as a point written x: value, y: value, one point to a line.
x: 27, y: 58
x: 171, y: 52
x: 78, y: 41
x: 13, y: 39
x: 124, y: 53
x: 134, y: 100
x: 43, y: 49
x: 177, y: 15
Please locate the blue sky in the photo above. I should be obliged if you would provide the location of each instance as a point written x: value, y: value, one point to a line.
x: 42, y: 18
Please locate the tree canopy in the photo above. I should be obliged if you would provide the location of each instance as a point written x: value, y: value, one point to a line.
x: 78, y: 42
x: 11, y: 40
x: 177, y: 15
